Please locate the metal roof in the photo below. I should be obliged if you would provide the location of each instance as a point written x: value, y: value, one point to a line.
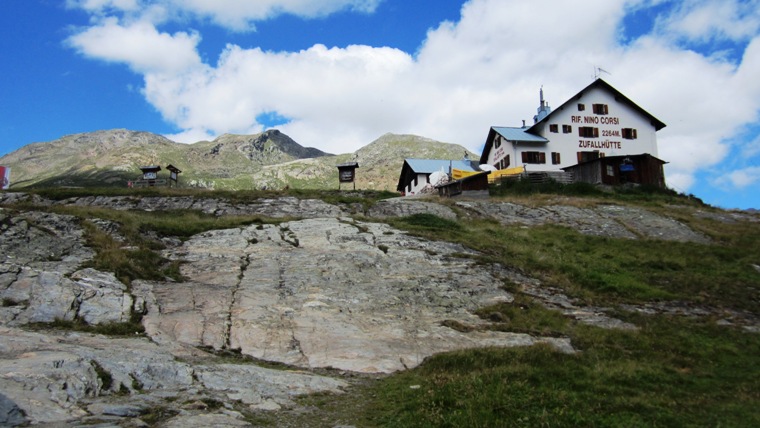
x: 429, y: 166
x: 519, y: 134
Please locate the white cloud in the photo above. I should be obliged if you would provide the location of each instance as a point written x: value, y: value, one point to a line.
x: 678, y: 181
x: 237, y: 15
x: 240, y: 14
x: 483, y: 70
x: 741, y: 178
x: 98, y: 6
x: 339, y: 91
x: 702, y: 20
x: 191, y: 136
x: 752, y: 148
x: 138, y: 45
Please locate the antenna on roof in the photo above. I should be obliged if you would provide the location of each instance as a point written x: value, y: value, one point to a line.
x: 541, y: 92
x: 598, y: 72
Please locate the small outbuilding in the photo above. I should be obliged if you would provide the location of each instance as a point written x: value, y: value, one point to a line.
x: 473, y: 186
x: 617, y: 170
x: 416, y: 173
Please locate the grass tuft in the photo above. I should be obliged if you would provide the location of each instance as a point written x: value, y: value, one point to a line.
x: 119, y: 329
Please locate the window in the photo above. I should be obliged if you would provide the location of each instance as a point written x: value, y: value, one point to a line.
x: 581, y: 107
x: 533, y: 157
x: 497, y: 142
x: 588, y: 132
x: 600, y: 108
x: 566, y: 129
x: 555, y: 158
x: 610, y: 171
x: 503, y: 164
x: 629, y: 134
x: 553, y: 128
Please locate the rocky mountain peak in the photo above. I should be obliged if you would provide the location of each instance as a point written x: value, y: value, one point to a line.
x: 272, y: 142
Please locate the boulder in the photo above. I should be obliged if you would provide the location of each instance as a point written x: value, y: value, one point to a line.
x: 402, y: 207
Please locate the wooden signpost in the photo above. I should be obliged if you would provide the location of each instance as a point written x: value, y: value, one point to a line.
x: 347, y: 173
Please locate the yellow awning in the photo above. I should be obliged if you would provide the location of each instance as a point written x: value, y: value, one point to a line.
x: 495, y: 175
x: 458, y: 174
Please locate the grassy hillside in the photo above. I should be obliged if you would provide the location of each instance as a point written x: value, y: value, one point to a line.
x: 674, y: 370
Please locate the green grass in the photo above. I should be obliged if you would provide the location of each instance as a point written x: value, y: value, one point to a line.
x: 673, y: 372
x: 430, y: 226
x: 364, y: 197
x: 525, y: 315
x: 128, y: 262
x: 524, y: 187
x: 639, y: 194
x: 604, y: 271
x: 131, y: 328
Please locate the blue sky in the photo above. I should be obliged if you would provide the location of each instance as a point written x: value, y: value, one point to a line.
x: 337, y: 74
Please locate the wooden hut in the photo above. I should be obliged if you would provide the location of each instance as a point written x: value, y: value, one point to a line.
x: 474, y: 185
x: 618, y: 170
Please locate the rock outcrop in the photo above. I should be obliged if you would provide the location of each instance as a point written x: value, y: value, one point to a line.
x: 318, y: 291
x: 607, y: 220
x: 323, y: 293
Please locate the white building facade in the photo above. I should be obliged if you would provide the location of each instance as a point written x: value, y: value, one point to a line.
x: 599, y: 121
x: 416, y: 173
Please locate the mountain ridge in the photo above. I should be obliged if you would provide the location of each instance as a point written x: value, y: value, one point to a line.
x: 270, y: 159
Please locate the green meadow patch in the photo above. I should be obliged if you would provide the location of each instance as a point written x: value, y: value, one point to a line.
x: 671, y: 372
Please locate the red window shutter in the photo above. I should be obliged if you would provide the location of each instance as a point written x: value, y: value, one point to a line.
x: 542, y: 157
x: 525, y: 157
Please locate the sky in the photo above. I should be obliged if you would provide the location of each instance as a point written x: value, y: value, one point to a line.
x: 338, y: 74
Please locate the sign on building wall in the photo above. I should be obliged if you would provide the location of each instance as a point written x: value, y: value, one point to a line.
x: 5, y: 177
